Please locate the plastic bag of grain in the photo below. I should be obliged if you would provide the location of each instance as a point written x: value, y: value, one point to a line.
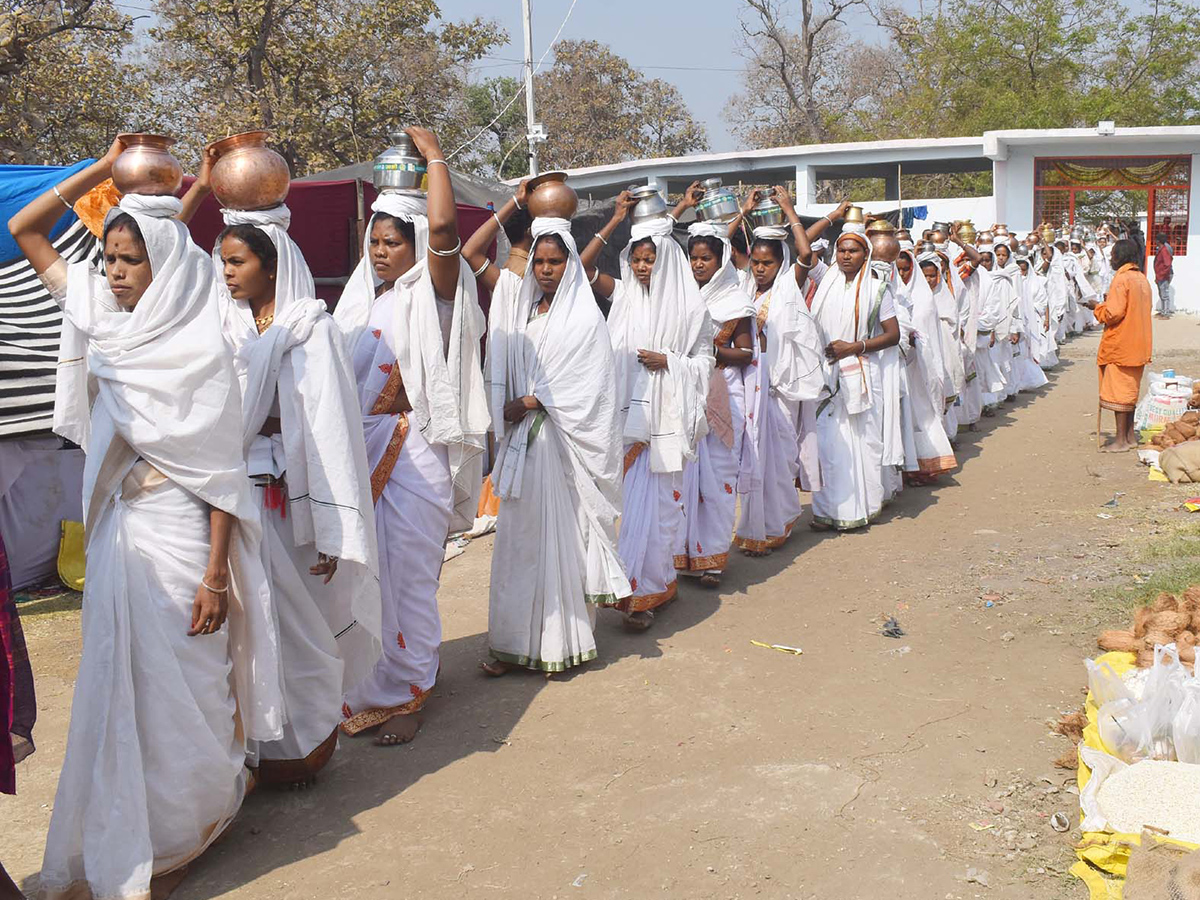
x: 1105, y: 684
x: 1185, y: 728
x: 1133, y: 730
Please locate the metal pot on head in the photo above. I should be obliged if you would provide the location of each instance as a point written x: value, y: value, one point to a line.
x: 146, y: 166
x: 248, y: 174
x: 551, y: 197
x: 650, y: 203
x: 400, y: 167
x: 967, y: 232
x: 885, y: 246
x: 719, y: 204
x: 940, y: 232
x: 766, y: 211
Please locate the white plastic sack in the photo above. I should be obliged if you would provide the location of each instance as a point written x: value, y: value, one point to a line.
x: 1105, y: 684
x: 1101, y: 765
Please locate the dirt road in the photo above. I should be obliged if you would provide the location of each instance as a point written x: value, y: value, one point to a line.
x: 689, y: 763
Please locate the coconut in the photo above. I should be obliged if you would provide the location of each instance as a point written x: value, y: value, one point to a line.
x: 1122, y: 641
x: 1165, y: 601
x: 1140, y: 619
x: 1185, y: 639
x: 1170, y: 622
x: 1156, y: 639
x: 1145, y: 659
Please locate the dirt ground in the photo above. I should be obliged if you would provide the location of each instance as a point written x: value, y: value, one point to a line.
x: 689, y: 763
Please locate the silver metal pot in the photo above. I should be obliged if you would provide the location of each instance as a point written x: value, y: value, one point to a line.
x: 766, y: 212
x: 650, y: 203
x: 399, y: 167
x: 719, y: 204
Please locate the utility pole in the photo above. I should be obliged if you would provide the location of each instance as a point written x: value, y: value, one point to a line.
x: 536, y: 132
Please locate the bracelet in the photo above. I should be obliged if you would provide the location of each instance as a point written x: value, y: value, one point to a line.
x: 64, y: 200
x: 592, y: 280
x: 603, y: 239
x: 798, y: 224
x: 516, y: 202
x: 803, y: 266
x: 430, y: 162
x: 864, y: 349
x: 208, y: 587
x: 453, y: 251
x: 827, y: 219
x: 483, y: 268
x: 499, y: 224
x: 671, y: 216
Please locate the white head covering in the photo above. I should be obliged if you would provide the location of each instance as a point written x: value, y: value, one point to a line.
x: 724, y: 295
x: 165, y: 391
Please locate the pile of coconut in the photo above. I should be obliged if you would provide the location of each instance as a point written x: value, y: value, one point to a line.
x: 1168, y: 620
x: 1186, y: 428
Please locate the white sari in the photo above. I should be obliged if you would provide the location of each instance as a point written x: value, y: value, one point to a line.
x: 311, y: 487
x: 426, y: 467
x: 155, y: 762
x: 662, y: 413
x: 921, y: 349
x: 710, y: 481
x: 557, y: 472
x: 850, y: 417
x: 1027, y: 375
x: 786, y: 375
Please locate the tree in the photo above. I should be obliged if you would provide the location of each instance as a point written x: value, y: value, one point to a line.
x: 329, y: 78
x: 598, y: 109
x: 66, y: 91
x: 502, y: 151
x: 800, y: 83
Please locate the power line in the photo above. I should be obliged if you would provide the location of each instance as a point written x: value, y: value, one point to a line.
x: 553, y: 41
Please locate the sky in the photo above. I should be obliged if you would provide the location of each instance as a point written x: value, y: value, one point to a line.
x: 694, y: 44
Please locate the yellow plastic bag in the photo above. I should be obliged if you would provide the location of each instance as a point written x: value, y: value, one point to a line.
x: 70, y: 555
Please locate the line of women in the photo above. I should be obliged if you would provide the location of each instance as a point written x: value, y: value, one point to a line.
x: 254, y: 461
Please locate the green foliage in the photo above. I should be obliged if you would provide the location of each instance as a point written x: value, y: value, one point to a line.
x: 66, y: 90
x: 329, y: 78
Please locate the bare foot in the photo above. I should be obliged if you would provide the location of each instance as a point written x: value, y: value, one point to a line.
x: 399, y: 729
x: 495, y: 668
x: 710, y: 579
x: 1117, y: 447
x: 819, y: 526
x: 639, y: 621
x: 161, y: 886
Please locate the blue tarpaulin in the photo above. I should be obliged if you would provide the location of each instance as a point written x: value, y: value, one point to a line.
x: 19, y: 185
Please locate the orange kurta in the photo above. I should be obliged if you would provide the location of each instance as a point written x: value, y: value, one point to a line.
x: 1126, y: 345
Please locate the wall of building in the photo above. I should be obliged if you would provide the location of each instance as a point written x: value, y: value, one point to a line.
x: 1013, y: 181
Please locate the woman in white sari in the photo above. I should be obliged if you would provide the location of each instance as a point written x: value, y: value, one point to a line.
x: 662, y: 341
x: 788, y: 370
x: 855, y: 313
x: 931, y: 454
x: 165, y: 697
x: 710, y: 481
x: 1044, y: 348
x: 558, y: 460
x: 414, y: 327
x: 308, y: 467
x: 1027, y: 375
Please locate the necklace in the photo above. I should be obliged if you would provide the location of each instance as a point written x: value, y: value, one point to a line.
x: 262, y: 323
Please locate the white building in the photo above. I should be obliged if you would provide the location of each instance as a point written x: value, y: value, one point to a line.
x: 1065, y: 176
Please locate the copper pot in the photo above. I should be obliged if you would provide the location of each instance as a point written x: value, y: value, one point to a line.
x: 885, y: 246
x: 146, y: 166
x: 903, y: 234
x: 551, y: 197
x: 248, y: 174
x: 940, y: 232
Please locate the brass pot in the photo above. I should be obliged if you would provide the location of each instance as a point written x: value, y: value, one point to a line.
x: 854, y: 215
x: 146, y: 166
x: 885, y: 247
x: 551, y: 197
x: 966, y: 232
x: 1047, y: 234
x: 248, y: 174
